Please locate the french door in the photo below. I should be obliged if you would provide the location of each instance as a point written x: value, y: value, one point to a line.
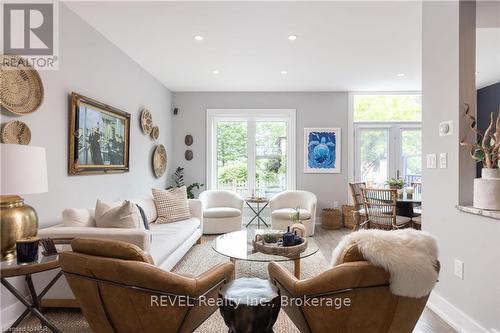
x: 385, y: 150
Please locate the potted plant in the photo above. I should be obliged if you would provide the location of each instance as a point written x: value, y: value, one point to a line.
x: 178, y: 178
x: 485, y: 149
x: 297, y: 223
x: 398, y: 184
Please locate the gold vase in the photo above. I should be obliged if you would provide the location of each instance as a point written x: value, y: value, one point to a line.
x: 17, y: 221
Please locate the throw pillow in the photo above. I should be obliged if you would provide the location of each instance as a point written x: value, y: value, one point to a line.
x: 73, y: 217
x: 124, y: 216
x: 171, y: 205
x: 143, y: 216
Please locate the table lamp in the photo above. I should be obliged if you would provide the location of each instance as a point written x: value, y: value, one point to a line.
x: 23, y: 171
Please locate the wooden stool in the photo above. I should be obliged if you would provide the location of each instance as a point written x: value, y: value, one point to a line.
x: 250, y: 305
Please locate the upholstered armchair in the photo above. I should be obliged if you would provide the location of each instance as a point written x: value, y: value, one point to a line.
x: 284, y: 204
x: 222, y: 211
x: 120, y: 290
x: 355, y: 296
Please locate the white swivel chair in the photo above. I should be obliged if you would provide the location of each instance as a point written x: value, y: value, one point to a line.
x: 284, y: 204
x: 222, y: 211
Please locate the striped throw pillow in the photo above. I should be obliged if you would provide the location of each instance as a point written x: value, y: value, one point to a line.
x: 171, y: 205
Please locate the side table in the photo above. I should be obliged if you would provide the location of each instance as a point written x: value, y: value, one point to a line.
x: 259, y: 210
x: 13, y: 269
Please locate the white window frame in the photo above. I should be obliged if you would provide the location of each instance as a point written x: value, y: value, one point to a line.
x: 251, y: 115
x: 351, y: 155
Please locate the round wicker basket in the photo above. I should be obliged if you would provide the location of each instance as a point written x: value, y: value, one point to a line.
x: 160, y: 160
x: 21, y: 87
x: 280, y: 250
x: 16, y: 132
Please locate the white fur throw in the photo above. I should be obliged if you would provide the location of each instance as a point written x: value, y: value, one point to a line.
x: 409, y: 255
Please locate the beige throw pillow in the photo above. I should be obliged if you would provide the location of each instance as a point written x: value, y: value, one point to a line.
x: 125, y: 215
x: 171, y: 205
x: 74, y: 217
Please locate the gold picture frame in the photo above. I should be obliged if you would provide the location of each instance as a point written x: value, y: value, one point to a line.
x: 99, y: 137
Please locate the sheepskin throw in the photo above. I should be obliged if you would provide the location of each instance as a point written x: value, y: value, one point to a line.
x: 410, y: 256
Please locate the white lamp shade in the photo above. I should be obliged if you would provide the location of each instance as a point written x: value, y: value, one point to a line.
x: 23, y: 169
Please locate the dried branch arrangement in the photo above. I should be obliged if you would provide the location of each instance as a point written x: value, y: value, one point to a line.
x: 486, y: 147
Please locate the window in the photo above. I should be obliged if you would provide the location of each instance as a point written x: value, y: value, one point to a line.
x: 387, y: 137
x: 251, y: 151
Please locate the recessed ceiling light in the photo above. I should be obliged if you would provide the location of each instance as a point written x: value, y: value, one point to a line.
x: 215, y: 72
x: 198, y: 37
x: 284, y: 72
x: 401, y: 74
x: 292, y: 37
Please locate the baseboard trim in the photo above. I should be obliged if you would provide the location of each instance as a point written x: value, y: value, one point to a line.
x: 453, y: 316
x: 11, y: 313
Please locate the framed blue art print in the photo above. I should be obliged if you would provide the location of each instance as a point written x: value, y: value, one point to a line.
x: 322, y: 150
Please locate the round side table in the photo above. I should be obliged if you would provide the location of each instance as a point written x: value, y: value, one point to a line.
x: 12, y: 269
x: 250, y: 305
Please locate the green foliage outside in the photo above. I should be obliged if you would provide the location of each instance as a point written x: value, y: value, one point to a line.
x: 387, y: 108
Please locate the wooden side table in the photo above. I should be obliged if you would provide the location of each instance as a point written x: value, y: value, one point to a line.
x: 12, y: 269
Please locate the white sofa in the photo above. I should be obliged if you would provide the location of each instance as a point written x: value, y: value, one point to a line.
x: 284, y: 204
x: 222, y: 211
x: 167, y: 243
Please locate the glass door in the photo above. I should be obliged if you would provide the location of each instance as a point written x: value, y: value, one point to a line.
x: 410, y: 159
x: 372, y: 155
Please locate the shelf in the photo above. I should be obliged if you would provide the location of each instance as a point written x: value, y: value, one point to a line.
x: 494, y: 214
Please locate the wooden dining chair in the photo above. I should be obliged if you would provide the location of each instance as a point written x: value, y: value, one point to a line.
x: 359, y: 214
x: 381, y: 208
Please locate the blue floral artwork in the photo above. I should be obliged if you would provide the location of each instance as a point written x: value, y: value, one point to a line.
x: 322, y: 150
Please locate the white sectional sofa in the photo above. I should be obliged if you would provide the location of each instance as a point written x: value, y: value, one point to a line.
x: 167, y: 243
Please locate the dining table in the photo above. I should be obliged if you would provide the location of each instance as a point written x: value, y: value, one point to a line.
x: 405, y: 205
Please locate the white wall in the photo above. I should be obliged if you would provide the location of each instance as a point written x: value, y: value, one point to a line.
x: 473, y: 302
x: 92, y: 66
x: 314, y: 109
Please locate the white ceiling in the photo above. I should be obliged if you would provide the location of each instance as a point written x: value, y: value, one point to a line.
x: 341, y: 46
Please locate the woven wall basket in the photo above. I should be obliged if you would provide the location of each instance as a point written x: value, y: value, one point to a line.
x: 160, y: 160
x: 21, y: 87
x: 16, y: 132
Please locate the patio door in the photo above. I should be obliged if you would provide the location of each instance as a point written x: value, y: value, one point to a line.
x: 386, y: 150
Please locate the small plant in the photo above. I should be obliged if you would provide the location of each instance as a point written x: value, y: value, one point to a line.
x: 295, y: 216
x: 486, y: 147
x: 270, y: 238
x: 178, y: 178
x: 398, y: 183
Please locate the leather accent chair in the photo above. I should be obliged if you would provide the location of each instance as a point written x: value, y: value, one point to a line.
x: 120, y: 290
x: 372, y: 307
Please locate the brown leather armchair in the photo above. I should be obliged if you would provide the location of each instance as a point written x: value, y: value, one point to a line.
x: 120, y: 290
x: 355, y: 297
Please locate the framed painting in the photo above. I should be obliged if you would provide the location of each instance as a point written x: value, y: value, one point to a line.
x: 99, y: 137
x: 322, y: 150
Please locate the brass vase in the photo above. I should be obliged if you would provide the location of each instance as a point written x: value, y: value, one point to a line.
x: 17, y: 221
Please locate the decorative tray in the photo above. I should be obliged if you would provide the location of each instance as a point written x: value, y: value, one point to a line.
x: 277, y: 248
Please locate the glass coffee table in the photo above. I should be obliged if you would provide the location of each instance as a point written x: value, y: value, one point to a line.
x: 238, y: 246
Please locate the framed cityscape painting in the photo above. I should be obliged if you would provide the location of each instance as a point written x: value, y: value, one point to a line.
x: 322, y: 150
x: 99, y: 137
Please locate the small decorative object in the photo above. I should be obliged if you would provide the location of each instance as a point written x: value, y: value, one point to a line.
x: 299, y: 228
x: 331, y: 218
x: 24, y: 171
x: 188, y: 140
x: 21, y: 87
x: 409, y: 192
x: 155, y: 133
x: 146, y: 121
x: 322, y: 150
x: 279, y: 248
x: 271, y: 238
x: 178, y: 177
x: 16, y: 132
x: 297, y: 239
x: 160, y: 160
x: 99, y: 137
x: 188, y: 155
x: 49, y: 246
x: 288, y: 238
x: 486, y: 149
x: 297, y: 223
x: 27, y: 249
x: 395, y: 183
